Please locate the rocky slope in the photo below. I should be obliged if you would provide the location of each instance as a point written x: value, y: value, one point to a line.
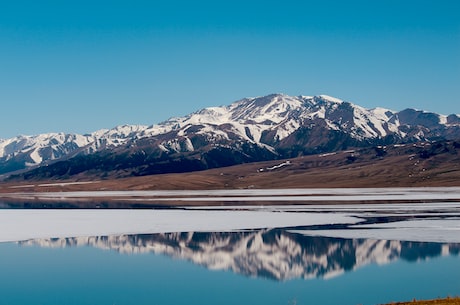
x: 253, y: 129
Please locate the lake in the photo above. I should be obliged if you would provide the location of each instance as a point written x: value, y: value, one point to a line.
x: 302, y: 253
x: 270, y: 266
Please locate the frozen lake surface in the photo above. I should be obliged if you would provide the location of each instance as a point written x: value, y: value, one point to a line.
x: 27, y: 224
x: 248, y: 247
x: 393, y: 215
x: 258, y: 195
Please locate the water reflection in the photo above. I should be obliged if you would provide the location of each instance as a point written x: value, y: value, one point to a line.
x: 276, y: 254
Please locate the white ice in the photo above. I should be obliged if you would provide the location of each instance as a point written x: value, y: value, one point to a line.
x: 445, y: 230
x: 431, y: 221
x: 16, y: 225
x: 317, y: 194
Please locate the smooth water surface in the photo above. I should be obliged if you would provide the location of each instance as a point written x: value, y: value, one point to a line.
x: 274, y: 266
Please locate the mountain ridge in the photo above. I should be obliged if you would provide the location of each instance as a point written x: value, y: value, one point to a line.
x: 263, y: 128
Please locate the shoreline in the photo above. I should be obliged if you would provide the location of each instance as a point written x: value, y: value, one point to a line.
x: 170, y: 199
x: 439, y: 301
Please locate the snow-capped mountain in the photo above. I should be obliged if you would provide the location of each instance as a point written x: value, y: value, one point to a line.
x: 28, y: 151
x: 273, y: 118
x: 252, y: 129
x: 270, y: 253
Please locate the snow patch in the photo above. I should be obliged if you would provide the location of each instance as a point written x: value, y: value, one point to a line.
x: 35, y: 156
x: 443, y: 119
x: 331, y: 99
x: 328, y: 154
x: 287, y: 163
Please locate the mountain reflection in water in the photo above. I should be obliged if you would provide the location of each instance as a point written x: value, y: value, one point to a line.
x: 270, y: 253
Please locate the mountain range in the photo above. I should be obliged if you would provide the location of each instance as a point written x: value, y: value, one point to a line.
x: 275, y: 254
x: 264, y: 128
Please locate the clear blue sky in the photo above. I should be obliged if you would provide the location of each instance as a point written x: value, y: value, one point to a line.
x: 79, y: 66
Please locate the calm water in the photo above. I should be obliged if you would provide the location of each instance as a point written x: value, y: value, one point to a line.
x: 249, y: 267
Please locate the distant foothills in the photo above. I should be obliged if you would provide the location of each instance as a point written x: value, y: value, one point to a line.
x: 277, y: 129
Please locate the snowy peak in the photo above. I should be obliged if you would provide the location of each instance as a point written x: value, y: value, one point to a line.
x: 36, y: 149
x: 281, y: 115
x: 251, y: 129
x: 27, y: 151
x: 272, y: 108
x: 330, y: 99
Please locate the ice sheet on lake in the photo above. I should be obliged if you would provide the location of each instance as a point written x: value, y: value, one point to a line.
x: 16, y: 225
x: 339, y: 207
x: 319, y: 194
x: 446, y: 230
x: 428, y: 221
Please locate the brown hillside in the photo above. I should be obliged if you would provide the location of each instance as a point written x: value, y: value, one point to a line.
x: 421, y: 164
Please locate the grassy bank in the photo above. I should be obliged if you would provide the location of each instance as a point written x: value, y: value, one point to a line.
x: 446, y: 301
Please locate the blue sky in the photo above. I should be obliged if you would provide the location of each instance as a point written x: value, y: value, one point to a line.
x: 79, y: 66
